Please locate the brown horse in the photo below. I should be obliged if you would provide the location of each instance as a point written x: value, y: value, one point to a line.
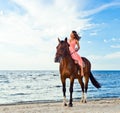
x: 69, y: 69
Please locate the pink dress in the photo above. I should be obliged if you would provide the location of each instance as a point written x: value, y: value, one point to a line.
x: 74, y: 54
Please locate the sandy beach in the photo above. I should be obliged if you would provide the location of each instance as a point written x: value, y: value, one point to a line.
x: 92, y: 106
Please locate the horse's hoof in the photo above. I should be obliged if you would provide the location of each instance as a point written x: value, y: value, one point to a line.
x: 65, y: 104
x: 85, y: 101
x: 70, y: 105
x: 81, y: 101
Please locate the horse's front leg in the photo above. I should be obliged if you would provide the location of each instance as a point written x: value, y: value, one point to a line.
x: 64, y: 91
x: 71, y: 91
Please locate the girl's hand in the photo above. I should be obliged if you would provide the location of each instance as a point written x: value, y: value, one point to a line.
x: 76, y: 49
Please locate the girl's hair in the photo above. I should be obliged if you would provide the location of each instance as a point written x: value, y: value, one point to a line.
x: 77, y: 37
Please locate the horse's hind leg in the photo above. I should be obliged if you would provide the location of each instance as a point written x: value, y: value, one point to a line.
x: 82, y: 87
x: 86, y: 87
x: 64, y: 91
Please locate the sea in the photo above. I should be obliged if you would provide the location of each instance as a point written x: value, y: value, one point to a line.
x: 33, y: 86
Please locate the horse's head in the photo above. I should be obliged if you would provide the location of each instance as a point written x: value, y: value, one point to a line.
x: 62, y: 50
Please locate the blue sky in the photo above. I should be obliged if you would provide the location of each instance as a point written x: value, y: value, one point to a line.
x: 29, y: 30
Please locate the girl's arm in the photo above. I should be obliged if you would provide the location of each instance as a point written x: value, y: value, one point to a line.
x: 78, y: 45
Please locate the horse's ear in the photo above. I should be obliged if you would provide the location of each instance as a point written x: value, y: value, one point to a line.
x: 66, y: 39
x: 58, y: 40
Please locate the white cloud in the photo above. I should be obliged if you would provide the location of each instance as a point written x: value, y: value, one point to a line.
x: 28, y: 40
x: 108, y: 61
x: 89, y: 42
x: 106, y: 41
x: 58, y: 18
x: 54, y: 20
x: 115, y: 46
x: 112, y: 40
x: 1, y: 12
x: 99, y: 9
x: 115, y: 55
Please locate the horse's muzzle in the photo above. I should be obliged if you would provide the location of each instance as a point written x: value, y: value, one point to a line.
x: 57, y: 59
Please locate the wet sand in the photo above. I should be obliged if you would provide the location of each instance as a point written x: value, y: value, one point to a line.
x: 92, y: 106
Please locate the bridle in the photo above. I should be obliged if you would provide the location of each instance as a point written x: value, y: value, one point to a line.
x: 65, y: 53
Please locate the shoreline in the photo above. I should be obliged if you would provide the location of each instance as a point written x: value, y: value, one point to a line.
x: 92, y: 106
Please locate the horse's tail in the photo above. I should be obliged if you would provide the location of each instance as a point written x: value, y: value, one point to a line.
x: 94, y: 81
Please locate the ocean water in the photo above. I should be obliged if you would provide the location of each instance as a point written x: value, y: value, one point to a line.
x: 45, y: 86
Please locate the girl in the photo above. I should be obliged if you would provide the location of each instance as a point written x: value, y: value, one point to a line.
x: 74, y: 47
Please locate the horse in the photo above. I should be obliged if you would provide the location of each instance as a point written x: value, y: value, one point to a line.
x: 69, y: 69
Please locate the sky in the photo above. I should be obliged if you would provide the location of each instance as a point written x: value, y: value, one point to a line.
x: 29, y: 30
